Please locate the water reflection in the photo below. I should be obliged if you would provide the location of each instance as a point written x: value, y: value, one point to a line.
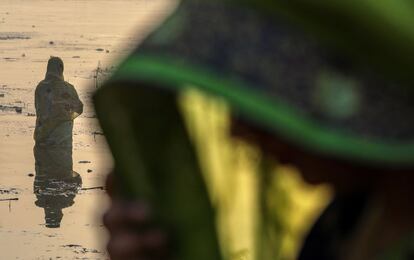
x: 57, y: 105
x: 55, y: 184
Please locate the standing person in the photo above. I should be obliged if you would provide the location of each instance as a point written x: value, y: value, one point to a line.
x: 341, y: 119
x: 57, y: 105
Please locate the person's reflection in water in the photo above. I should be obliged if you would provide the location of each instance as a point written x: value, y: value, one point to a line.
x: 56, y: 184
x: 57, y: 105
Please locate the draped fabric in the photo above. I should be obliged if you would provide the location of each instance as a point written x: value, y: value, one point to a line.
x: 57, y: 105
x: 274, y: 75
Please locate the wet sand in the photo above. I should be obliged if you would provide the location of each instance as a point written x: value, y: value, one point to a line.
x: 84, y: 34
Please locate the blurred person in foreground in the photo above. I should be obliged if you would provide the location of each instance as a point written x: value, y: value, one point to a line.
x: 302, y: 97
x: 57, y: 105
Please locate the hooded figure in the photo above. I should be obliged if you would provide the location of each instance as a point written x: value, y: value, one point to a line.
x: 305, y: 83
x: 57, y: 105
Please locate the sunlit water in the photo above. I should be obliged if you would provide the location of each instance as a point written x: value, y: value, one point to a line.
x: 84, y: 34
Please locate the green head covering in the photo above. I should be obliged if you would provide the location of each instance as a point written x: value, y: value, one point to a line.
x: 378, y: 33
x: 284, y: 78
x: 279, y: 66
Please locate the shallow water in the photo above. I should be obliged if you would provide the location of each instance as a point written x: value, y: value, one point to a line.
x: 23, y: 234
x: 84, y: 34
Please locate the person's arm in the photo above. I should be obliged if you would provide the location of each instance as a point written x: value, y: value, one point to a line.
x: 37, y: 97
x: 36, y: 100
x: 75, y: 104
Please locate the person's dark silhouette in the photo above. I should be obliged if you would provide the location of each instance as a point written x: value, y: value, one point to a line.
x: 57, y: 105
x: 56, y: 184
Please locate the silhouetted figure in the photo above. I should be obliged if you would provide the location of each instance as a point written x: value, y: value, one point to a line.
x: 57, y: 105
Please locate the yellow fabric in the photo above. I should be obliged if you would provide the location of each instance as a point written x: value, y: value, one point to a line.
x: 231, y: 169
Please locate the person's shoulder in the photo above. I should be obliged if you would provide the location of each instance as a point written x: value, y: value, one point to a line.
x: 69, y: 84
x: 41, y: 85
x: 70, y: 88
x: 42, y: 82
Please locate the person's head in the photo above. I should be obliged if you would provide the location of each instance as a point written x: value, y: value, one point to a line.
x: 55, y: 67
x: 325, y: 109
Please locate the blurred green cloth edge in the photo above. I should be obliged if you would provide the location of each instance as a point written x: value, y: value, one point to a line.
x: 269, y: 113
x: 156, y: 162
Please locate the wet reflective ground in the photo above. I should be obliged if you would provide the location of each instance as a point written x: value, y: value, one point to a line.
x: 29, y: 226
x: 56, y: 217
